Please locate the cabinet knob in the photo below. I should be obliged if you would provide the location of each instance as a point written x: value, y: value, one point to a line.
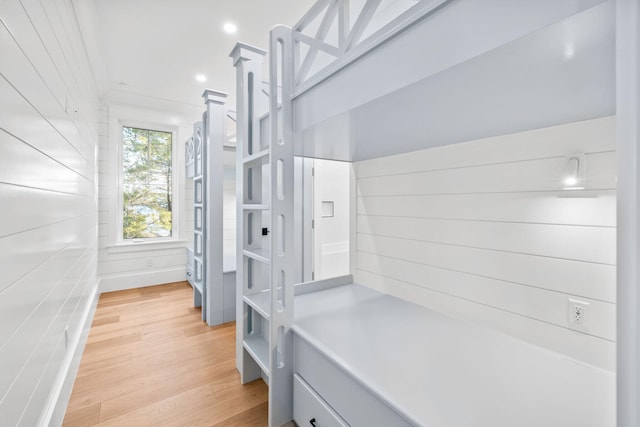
x: 312, y: 421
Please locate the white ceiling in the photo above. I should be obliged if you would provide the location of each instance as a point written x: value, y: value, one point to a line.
x: 151, y: 50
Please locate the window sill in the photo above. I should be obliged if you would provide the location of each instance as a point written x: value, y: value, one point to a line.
x: 146, y: 246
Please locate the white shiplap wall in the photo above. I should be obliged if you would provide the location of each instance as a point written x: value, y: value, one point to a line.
x: 133, y: 266
x: 48, y: 225
x: 484, y: 231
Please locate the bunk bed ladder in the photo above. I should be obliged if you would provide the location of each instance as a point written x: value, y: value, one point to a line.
x: 189, y: 165
x: 199, y: 209
x: 286, y: 269
x: 254, y: 227
x: 269, y: 257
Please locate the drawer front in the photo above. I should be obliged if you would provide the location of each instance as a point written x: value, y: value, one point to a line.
x: 310, y: 410
x: 356, y: 405
x: 189, y: 274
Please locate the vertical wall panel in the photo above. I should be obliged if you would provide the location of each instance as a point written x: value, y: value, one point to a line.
x: 485, y: 230
x: 48, y: 236
x: 229, y: 221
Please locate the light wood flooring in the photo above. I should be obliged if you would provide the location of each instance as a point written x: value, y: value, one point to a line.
x: 151, y: 361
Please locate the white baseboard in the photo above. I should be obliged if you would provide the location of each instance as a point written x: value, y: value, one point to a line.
x: 57, y: 407
x: 120, y: 282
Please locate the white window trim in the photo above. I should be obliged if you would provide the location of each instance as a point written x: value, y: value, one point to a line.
x: 116, y: 243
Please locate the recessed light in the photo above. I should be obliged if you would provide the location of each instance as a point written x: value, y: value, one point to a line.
x: 569, y: 50
x: 230, y: 28
x: 201, y: 78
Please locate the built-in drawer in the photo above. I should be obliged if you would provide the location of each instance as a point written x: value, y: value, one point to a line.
x: 189, y: 273
x: 310, y: 410
x: 348, y: 398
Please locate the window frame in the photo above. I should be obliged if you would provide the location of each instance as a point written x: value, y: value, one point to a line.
x: 118, y: 238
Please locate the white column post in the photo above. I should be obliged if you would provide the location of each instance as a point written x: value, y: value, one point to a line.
x: 628, y: 278
x: 213, y: 140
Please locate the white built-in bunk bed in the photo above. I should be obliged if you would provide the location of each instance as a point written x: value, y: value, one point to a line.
x: 484, y: 279
x: 210, y: 162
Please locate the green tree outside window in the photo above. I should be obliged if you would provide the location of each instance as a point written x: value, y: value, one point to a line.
x: 147, y: 205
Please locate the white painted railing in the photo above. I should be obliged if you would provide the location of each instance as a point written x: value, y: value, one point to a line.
x: 334, y: 33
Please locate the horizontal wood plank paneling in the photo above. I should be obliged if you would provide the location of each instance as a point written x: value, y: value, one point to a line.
x: 52, y: 207
x: 29, y: 167
x: 48, y: 249
x: 41, y: 369
x: 42, y: 284
x: 587, y: 208
x: 583, y: 347
x: 540, y: 304
x: 597, y: 281
x: 77, y: 79
x: 30, y: 414
x: 589, y: 136
x: 521, y: 176
x: 143, y: 277
x: 19, y: 253
x: 177, y: 258
x: 25, y: 123
x: 34, y: 50
x: 58, y: 304
x: 141, y: 255
x: 484, y: 230
x: 557, y: 241
x: 32, y: 84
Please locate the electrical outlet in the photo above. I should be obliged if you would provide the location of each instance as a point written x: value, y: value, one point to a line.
x: 578, y: 314
x: 149, y: 262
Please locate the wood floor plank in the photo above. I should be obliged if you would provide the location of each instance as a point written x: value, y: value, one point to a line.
x: 227, y: 403
x: 160, y: 323
x: 164, y: 386
x: 150, y: 361
x: 253, y: 417
x: 121, y: 340
x: 119, y: 295
x: 94, y: 366
x: 163, y: 413
x: 86, y: 416
x: 105, y: 320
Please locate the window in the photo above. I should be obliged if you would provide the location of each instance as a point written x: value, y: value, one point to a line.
x: 147, y: 207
